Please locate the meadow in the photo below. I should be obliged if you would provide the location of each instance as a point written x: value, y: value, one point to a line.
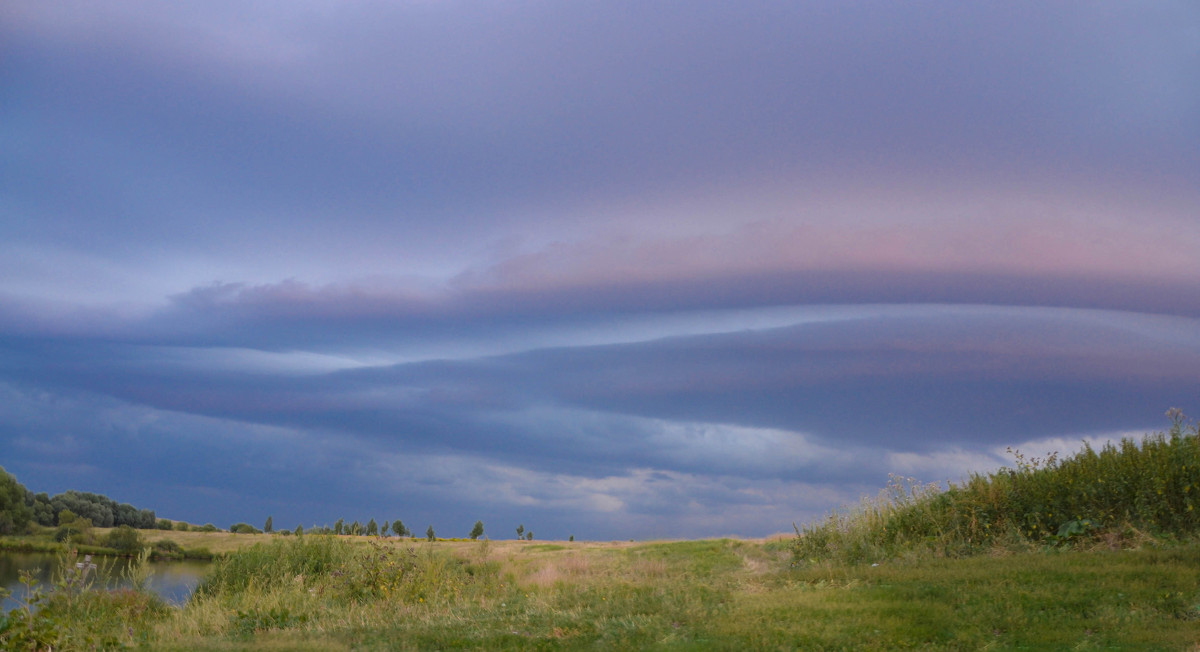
x: 1094, y: 552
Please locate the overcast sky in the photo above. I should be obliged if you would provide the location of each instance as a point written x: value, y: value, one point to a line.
x: 609, y: 269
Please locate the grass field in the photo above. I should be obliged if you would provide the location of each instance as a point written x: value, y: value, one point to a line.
x: 711, y: 594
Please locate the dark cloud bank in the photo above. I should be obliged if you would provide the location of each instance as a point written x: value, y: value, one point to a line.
x: 604, y: 269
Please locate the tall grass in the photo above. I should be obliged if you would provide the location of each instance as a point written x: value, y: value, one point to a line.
x: 279, y: 562
x: 1121, y: 493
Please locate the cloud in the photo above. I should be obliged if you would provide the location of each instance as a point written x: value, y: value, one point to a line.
x: 626, y: 268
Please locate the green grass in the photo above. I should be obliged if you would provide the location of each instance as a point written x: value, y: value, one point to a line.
x: 324, y: 593
x: 1114, y: 497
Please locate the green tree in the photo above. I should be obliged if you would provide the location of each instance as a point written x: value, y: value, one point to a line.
x: 429, y: 534
x: 521, y: 531
x: 529, y: 535
x: 268, y: 526
x: 356, y: 528
x: 384, y: 529
x: 337, y: 527
x: 182, y: 526
x: 299, y: 530
x: 43, y: 511
x: 571, y: 538
x: 15, y: 514
x: 372, y: 528
x: 398, y: 528
x: 164, y: 524
x: 477, y: 531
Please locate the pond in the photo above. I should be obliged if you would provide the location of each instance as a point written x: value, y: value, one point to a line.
x: 174, y: 581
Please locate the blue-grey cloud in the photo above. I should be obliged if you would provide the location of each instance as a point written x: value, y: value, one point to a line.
x: 670, y: 269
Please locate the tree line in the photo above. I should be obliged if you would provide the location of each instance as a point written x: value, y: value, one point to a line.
x: 75, y: 510
x: 19, y: 507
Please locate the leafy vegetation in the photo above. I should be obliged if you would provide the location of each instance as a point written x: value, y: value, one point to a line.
x: 1123, y: 494
x: 14, y: 513
x: 78, y: 611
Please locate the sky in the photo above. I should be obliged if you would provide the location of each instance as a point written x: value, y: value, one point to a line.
x: 605, y: 269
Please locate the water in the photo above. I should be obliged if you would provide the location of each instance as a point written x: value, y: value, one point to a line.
x: 174, y: 581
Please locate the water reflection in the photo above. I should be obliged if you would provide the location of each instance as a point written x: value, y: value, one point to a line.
x: 173, y: 581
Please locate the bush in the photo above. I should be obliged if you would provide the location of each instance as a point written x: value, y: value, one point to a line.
x: 181, y: 526
x: 125, y: 540
x: 166, y: 549
x: 164, y: 524
x: 208, y: 527
x: 167, y: 545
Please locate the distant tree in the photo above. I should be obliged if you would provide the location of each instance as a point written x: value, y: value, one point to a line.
x: 355, y: 529
x: 529, y: 535
x: 429, y: 534
x: 43, y: 511
x: 244, y: 528
x: 15, y: 513
x: 146, y: 520
x: 269, y: 526
x: 182, y: 526
x: 164, y: 524
x: 571, y: 538
x: 520, y: 531
x: 372, y: 528
x: 208, y: 527
x: 337, y: 527
x: 477, y: 531
x: 398, y: 528
x: 384, y: 529
x: 299, y: 530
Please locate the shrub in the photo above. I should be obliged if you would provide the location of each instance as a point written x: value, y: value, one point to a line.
x: 125, y: 540
x: 244, y: 528
x: 208, y: 527
x: 167, y: 546
x: 181, y: 526
x: 164, y: 524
